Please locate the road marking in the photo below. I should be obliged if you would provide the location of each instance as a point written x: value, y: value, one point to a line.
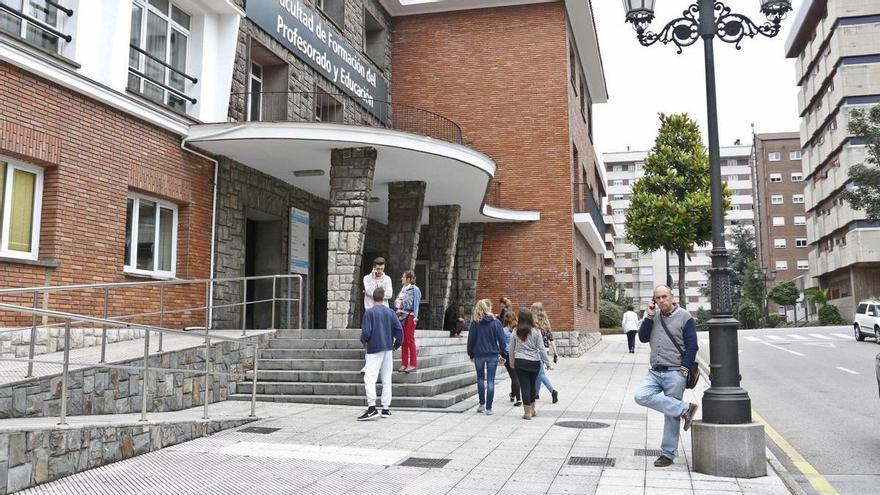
x: 820, y: 336
x: 753, y: 339
x: 851, y: 372
x: 798, y: 337
x: 821, y: 344
x: 775, y: 337
x: 842, y: 335
x: 783, y: 349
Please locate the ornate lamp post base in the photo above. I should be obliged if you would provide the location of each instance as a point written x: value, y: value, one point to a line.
x: 731, y: 451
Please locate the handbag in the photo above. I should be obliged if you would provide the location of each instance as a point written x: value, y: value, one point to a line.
x: 694, y: 372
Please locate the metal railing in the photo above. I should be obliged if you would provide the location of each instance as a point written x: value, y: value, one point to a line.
x: 38, y: 23
x: 111, y: 323
x: 584, y: 202
x: 166, y: 68
x: 320, y: 106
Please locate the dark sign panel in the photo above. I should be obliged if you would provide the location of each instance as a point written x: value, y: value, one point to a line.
x: 306, y: 34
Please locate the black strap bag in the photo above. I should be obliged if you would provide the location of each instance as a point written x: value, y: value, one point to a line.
x: 693, y: 373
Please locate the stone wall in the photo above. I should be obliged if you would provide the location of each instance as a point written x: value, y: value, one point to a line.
x: 29, y: 458
x: 467, y: 266
x: 573, y: 344
x: 443, y: 221
x: 98, y: 390
x: 51, y: 339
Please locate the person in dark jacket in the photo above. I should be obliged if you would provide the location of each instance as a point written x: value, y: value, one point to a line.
x: 381, y: 334
x: 485, y: 346
x: 452, y: 320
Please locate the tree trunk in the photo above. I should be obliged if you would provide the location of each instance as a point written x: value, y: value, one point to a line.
x: 682, y: 283
x: 794, y: 308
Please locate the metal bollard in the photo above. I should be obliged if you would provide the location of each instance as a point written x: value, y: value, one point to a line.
x: 161, y: 313
x: 254, y: 381
x: 30, y: 372
x: 272, y: 325
x: 104, y: 326
x: 146, y: 374
x: 243, y: 307
x: 207, y: 370
x: 64, y: 372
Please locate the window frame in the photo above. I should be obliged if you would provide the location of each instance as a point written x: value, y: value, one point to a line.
x: 803, y: 266
x: 171, y: 25
x: 36, y: 215
x: 804, y: 222
x: 775, y: 177
x: 795, y: 155
x: 381, y: 64
x: 130, y: 265
x: 250, y: 89
x: 781, y: 266
x: 797, y: 199
x: 778, y: 221
x: 801, y: 242
x: 777, y: 199
x: 797, y: 177
x: 22, y: 35
x: 780, y: 243
x: 774, y: 156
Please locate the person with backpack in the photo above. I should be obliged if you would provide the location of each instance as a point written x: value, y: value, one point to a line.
x: 485, y: 347
x: 381, y: 334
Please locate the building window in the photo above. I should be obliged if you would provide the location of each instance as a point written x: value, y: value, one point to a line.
x: 255, y: 92
x: 617, y: 182
x: 327, y: 107
x: 158, y: 54
x: 624, y: 168
x: 781, y: 266
x: 803, y: 265
x: 800, y: 242
x: 794, y: 155
x: 776, y: 199
x: 334, y: 10
x: 619, y: 211
x: 774, y: 156
x: 588, y: 295
x: 375, y: 39
x: 150, y: 236
x: 775, y: 177
x: 595, y: 294
x: 21, y: 200
x: 797, y: 198
x: 731, y: 162
x: 779, y: 221
x: 580, y: 284
x: 46, y: 11
x: 779, y: 243
x: 618, y: 197
x: 800, y: 220
x: 797, y: 177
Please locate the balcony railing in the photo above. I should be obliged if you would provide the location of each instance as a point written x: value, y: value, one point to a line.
x: 583, y: 201
x: 320, y: 106
x: 37, y: 22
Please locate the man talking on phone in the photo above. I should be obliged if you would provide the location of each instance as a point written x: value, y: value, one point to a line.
x: 668, y: 328
x: 375, y: 279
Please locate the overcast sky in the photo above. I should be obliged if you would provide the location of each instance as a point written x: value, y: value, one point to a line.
x: 755, y: 84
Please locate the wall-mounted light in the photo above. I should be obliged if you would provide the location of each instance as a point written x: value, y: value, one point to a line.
x: 315, y: 172
x: 374, y: 199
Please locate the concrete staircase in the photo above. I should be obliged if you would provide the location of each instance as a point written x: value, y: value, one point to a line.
x: 323, y: 367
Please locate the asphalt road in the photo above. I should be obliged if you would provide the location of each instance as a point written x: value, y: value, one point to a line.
x: 818, y: 388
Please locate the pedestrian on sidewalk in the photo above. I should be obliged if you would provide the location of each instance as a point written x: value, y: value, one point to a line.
x: 377, y: 278
x: 542, y: 322
x: 407, y: 307
x: 630, y: 324
x: 505, y: 309
x: 663, y: 387
x: 381, y: 334
x: 528, y: 356
x: 485, y: 347
x: 509, y: 329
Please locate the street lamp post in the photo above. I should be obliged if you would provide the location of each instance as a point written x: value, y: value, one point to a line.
x: 726, y: 441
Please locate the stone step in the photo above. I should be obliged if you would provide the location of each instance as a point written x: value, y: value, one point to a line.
x: 354, y: 343
x: 420, y: 375
x: 353, y: 353
x: 348, y: 333
x: 424, y: 389
x: 354, y: 364
x: 441, y: 401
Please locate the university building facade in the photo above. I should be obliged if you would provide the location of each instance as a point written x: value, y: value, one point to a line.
x: 186, y: 139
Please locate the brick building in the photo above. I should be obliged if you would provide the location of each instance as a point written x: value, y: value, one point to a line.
x: 279, y: 137
x: 780, y: 216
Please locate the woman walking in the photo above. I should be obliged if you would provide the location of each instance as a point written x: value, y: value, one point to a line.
x: 505, y: 309
x: 630, y: 325
x: 542, y: 322
x: 528, y: 355
x: 407, y: 307
x: 485, y: 346
x: 510, y: 329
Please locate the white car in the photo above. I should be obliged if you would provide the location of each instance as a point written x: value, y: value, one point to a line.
x: 867, y: 320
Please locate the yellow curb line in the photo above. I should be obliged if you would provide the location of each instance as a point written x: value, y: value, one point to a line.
x: 822, y: 486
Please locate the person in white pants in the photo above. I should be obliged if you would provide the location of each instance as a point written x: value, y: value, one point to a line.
x: 381, y: 334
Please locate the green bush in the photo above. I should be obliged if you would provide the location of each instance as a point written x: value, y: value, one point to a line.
x: 749, y: 314
x: 830, y: 315
x: 610, y: 314
x: 702, y: 318
x: 776, y: 320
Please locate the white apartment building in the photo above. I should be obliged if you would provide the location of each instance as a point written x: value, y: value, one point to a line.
x: 640, y: 272
x: 836, y: 44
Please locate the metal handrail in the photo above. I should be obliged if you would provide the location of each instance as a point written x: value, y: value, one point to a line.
x: 584, y: 202
x: 163, y: 63
x: 60, y: 7
x: 162, y: 85
x: 112, y: 285
x: 38, y: 23
x: 299, y: 106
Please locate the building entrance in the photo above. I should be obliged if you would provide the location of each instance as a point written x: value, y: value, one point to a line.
x: 262, y: 257
x: 319, y: 268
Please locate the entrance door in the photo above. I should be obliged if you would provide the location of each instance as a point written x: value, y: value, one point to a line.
x: 263, y: 235
x: 319, y: 301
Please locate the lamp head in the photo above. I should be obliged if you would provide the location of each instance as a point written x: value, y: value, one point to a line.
x: 639, y: 11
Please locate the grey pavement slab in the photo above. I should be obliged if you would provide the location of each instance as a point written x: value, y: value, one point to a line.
x: 322, y: 449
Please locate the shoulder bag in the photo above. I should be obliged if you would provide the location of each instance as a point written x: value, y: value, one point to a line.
x: 693, y: 373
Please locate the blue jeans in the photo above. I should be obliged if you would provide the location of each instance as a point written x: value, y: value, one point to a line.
x: 662, y: 392
x: 486, y: 367
x: 543, y: 378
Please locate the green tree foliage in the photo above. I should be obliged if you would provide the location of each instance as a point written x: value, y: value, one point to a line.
x: 785, y: 294
x: 610, y: 314
x: 866, y: 176
x: 749, y: 314
x: 830, y: 315
x: 816, y: 298
x: 742, y: 254
x: 702, y: 320
x: 670, y: 207
x: 615, y: 293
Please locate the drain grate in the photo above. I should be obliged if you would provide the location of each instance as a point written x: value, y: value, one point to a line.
x: 591, y: 461
x: 648, y: 452
x: 583, y: 425
x: 262, y: 430
x: 424, y: 462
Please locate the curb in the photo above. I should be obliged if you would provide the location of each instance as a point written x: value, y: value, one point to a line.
x: 794, y: 488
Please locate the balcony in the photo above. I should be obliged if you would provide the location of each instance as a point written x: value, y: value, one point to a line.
x: 588, y: 216
x: 38, y: 22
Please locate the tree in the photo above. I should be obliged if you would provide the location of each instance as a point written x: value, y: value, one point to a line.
x: 785, y: 294
x: 752, y: 286
x: 742, y: 254
x: 865, y: 195
x: 610, y: 314
x: 817, y: 298
x: 615, y: 293
x: 671, y: 207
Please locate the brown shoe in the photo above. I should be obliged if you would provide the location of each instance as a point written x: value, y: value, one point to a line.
x: 688, y: 416
x: 663, y: 461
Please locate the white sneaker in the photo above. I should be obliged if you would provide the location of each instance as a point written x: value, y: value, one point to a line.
x: 482, y: 408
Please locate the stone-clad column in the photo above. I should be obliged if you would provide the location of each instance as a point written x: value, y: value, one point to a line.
x: 351, y: 183
x: 467, y: 265
x: 443, y: 232
x: 405, y: 203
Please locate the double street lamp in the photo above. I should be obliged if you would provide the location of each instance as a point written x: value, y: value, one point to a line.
x: 727, y: 416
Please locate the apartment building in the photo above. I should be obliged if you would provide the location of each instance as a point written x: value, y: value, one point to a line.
x: 640, y: 272
x: 180, y: 139
x: 780, y: 213
x: 836, y: 47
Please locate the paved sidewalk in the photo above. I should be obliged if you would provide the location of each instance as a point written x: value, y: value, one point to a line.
x: 322, y: 449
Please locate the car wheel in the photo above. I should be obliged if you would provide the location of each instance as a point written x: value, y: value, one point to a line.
x: 877, y: 334
x: 858, y: 333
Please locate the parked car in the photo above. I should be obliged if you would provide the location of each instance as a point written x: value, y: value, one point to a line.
x: 867, y: 321
x: 878, y: 372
